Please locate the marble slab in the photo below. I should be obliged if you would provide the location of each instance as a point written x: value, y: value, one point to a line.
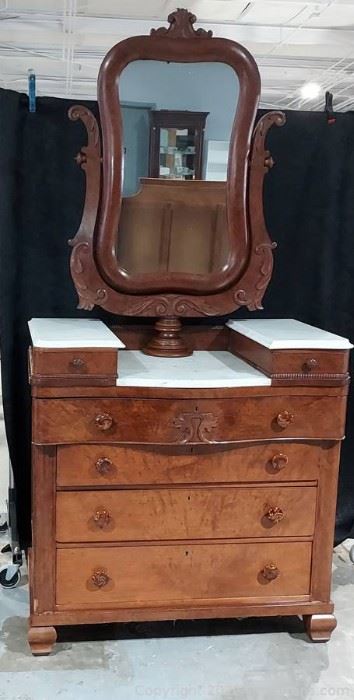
x: 72, y: 333
x: 202, y: 370
x: 286, y: 333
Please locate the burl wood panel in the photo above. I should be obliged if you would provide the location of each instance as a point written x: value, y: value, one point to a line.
x: 104, y: 465
x: 180, y: 513
x: 187, y: 421
x: 201, y: 572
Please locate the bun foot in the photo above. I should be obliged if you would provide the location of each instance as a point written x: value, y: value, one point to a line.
x: 319, y: 627
x: 41, y: 640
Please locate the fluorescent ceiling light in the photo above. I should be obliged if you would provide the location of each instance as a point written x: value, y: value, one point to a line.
x: 310, y: 91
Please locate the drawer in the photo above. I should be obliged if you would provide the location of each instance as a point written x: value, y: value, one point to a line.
x: 157, y: 574
x: 96, y: 465
x: 316, y: 366
x: 185, y: 513
x: 310, y: 362
x: 186, y: 421
x: 49, y: 367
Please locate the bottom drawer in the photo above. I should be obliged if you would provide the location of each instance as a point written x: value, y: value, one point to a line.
x: 102, y: 576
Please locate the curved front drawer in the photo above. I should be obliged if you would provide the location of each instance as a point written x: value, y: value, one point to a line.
x: 112, y: 465
x: 187, y: 421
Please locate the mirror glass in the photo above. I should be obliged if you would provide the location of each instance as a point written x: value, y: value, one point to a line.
x: 177, y: 122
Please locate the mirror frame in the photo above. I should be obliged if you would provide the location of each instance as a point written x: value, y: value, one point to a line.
x: 97, y: 274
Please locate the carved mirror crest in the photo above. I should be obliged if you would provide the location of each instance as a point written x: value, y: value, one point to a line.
x: 180, y: 244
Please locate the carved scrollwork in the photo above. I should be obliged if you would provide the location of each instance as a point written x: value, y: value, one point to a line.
x: 79, y: 262
x: 101, y: 296
x: 170, y: 305
x: 77, y: 112
x: 89, y: 159
x: 260, y: 270
x: 183, y: 305
x: 195, y: 427
x: 181, y: 27
x: 156, y: 306
x: 252, y: 298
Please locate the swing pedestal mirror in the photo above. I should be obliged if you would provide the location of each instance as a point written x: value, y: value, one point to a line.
x: 175, y: 247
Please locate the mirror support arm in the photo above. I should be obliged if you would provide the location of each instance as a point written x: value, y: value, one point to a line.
x: 89, y: 159
x: 259, y: 271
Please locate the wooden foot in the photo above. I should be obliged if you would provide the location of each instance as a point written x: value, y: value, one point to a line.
x: 167, y: 341
x: 41, y: 640
x: 319, y: 627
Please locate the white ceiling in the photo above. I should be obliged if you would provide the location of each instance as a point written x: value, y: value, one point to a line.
x: 293, y: 42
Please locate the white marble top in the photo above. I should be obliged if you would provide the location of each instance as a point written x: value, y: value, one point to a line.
x: 286, y: 333
x: 72, y: 333
x: 203, y: 369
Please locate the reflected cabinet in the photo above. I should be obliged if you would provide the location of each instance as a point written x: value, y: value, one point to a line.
x: 176, y: 144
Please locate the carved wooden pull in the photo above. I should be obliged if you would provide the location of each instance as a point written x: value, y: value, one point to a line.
x: 77, y: 363
x: 284, y: 419
x: 100, y: 578
x: 102, y: 517
x: 81, y: 158
x: 279, y: 461
x: 268, y: 161
x: 104, y: 421
x: 275, y: 514
x: 310, y: 365
x: 270, y: 571
x: 103, y: 465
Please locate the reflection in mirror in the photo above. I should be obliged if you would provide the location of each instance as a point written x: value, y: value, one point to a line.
x: 174, y: 226
x: 177, y: 122
x: 148, y: 87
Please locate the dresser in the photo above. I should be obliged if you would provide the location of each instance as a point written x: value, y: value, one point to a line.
x: 195, y: 487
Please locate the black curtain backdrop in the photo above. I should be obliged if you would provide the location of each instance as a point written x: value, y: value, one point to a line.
x: 309, y: 203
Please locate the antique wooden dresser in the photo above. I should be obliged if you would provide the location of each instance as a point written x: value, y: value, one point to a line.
x: 200, y: 488
x: 181, y: 472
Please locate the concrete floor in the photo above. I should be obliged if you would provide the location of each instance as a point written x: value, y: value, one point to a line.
x: 224, y: 660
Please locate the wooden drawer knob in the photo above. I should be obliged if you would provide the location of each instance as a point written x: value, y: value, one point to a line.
x: 103, y: 465
x: 104, y: 421
x: 275, y: 514
x: 270, y: 571
x: 284, y: 419
x: 279, y: 461
x: 102, y: 517
x: 310, y: 365
x: 99, y: 578
x: 77, y: 364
